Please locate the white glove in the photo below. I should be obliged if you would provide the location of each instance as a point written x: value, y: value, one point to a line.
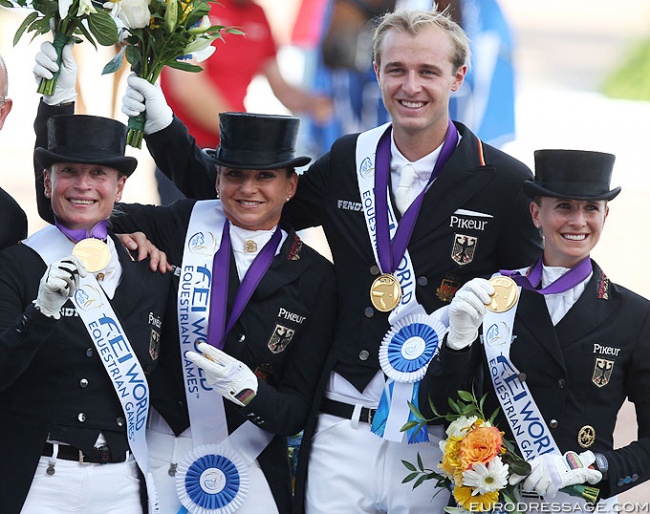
x: 141, y: 96
x: 60, y: 281
x: 466, y: 312
x: 231, y: 378
x: 552, y: 472
x: 46, y: 66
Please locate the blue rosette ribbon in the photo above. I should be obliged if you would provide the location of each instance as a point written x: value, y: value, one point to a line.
x: 212, y: 479
x: 405, y: 353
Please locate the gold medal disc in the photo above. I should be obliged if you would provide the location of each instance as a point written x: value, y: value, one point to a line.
x: 93, y: 253
x: 506, y: 293
x: 385, y: 293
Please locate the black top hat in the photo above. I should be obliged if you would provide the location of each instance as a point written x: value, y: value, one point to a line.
x: 573, y: 174
x: 257, y: 142
x: 87, y: 140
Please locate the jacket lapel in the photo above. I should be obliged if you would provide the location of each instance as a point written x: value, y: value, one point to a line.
x: 533, y: 314
x: 127, y: 298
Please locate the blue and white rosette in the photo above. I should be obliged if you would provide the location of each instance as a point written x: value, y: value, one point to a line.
x: 405, y: 353
x: 212, y: 479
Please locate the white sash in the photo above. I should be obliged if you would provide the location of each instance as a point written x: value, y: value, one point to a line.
x: 205, y: 405
x: 396, y: 393
x: 527, y: 424
x: 112, y: 344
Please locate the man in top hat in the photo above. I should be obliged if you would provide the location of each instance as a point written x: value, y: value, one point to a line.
x: 13, y: 226
x: 577, y: 344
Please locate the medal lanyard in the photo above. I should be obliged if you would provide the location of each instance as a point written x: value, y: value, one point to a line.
x: 99, y: 231
x: 570, y: 279
x: 217, y: 328
x: 391, y: 252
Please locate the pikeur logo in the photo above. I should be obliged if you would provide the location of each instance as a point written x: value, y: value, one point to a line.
x: 467, y: 224
x: 296, y: 318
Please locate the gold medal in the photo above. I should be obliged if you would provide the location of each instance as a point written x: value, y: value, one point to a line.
x: 506, y: 293
x: 250, y: 246
x: 385, y: 292
x: 93, y: 254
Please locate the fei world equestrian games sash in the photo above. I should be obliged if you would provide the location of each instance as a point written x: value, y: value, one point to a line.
x: 112, y: 344
x: 527, y: 424
x: 414, y: 338
x: 212, y: 478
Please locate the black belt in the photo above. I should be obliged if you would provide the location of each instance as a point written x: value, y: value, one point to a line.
x: 99, y: 455
x: 346, y: 410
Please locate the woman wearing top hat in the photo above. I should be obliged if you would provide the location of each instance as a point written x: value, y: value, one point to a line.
x: 573, y: 347
x: 79, y: 333
x: 255, y: 310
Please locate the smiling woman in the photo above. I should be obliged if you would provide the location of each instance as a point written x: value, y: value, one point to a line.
x: 58, y: 374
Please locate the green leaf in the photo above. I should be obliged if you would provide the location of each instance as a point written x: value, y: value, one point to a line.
x: 21, y: 29
x: 184, y: 66
x: 114, y: 64
x: 419, y: 481
x: 408, y: 465
x: 466, y: 396
x: 6, y: 3
x: 420, y: 463
x: 134, y: 58
x: 520, y: 467
x: 103, y: 27
x: 410, y: 477
x: 454, y: 406
x: 82, y: 28
x: 409, y: 425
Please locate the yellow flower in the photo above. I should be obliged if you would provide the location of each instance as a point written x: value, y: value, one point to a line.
x: 450, y: 461
x: 475, y: 503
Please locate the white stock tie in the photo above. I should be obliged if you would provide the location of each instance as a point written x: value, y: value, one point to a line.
x: 404, y: 193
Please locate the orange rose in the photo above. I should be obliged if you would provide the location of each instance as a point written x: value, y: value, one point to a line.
x: 481, y: 445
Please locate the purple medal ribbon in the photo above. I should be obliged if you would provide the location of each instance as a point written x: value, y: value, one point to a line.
x: 217, y: 328
x: 390, y: 253
x: 570, y: 279
x: 99, y: 231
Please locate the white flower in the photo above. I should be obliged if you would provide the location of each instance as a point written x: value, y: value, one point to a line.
x: 485, y: 479
x: 85, y: 8
x: 134, y: 13
x: 200, y: 49
x: 460, y: 427
x: 64, y: 7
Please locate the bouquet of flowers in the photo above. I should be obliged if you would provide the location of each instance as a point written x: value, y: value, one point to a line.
x: 477, y: 462
x: 161, y: 33
x: 67, y: 19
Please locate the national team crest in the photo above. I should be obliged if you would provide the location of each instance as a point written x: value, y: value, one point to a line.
x: 602, y: 372
x: 463, y: 249
x: 447, y: 289
x: 280, y: 339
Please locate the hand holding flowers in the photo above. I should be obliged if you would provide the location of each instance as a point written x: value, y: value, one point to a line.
x: 162, y: 33
x: 477, y: 462
x: 68, y: 19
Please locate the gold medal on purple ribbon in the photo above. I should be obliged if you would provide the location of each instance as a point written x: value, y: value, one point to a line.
x: 93, y: 253
x: 212, y: 479
x: 506, y: 294
x: 385, y: 292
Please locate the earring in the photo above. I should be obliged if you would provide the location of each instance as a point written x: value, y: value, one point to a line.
x: 288, y: 198
x: 47, y: 193
x: 218, y: 195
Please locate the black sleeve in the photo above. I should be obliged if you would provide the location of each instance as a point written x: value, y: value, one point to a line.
x: 177, y: 155
x: 13, y: 227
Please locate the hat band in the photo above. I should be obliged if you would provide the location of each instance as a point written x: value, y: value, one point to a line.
x: 567, y: 187
x: 253, y: 158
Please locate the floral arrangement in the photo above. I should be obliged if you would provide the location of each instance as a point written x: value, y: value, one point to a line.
x: 68, y: 19
x: 477, y: 462
x: 159, y: 33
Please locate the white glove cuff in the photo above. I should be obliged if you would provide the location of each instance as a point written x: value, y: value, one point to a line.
x: 460, y: 339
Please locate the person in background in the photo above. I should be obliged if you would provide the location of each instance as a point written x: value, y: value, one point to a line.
x: 250, y: 295
x: 572, y: 348
x: 13, y: 226
x: 463, y: 203
x: 79, y: 335
x: 198, y: 98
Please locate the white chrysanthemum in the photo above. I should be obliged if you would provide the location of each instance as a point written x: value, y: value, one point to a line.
x: 485, y: 479
x: 460, y: 427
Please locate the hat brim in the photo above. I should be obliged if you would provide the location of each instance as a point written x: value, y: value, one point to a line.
x: 296, y: 162
x: 123, y: 164
x: 532, y: 190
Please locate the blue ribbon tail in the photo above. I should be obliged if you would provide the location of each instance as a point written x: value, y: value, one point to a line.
x: 182, y: 510
x: 380, y: 417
